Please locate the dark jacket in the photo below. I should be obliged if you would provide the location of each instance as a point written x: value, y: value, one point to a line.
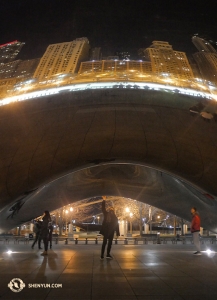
x: 50, y: 228
x: 195, y: 223
x: 110, y: 222
x: 44, y: 232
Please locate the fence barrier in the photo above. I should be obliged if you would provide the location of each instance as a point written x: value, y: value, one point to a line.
x: 116, y: 241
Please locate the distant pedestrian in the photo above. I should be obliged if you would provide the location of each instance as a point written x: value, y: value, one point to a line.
x: 37, y: 229
x: 109, y: 226
x: 50, y: 234
x: 195, y: 229
x: 44, y: 233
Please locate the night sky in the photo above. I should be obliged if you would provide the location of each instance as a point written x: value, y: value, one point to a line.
x: 115, y: 25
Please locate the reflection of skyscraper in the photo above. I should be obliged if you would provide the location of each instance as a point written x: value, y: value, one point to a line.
x: 165, y: 60
x: 19, y: 69
x: 62, y: 58
x: 206, y: 59
x: 9, y: 51
x: 202, y: 45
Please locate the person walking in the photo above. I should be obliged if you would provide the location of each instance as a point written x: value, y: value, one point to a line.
x: 195, y: 229
x: 37, y: 229
x: 45, y: 231
x: 109, y: 226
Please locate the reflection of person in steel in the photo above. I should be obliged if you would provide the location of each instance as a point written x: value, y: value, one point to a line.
x: 15, y: 208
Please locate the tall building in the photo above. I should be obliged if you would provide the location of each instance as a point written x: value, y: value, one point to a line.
x: 26, y: 68
x: 202, y: 45
x: 19, y: 68
x: 9, y: 51
x: 115, y: 66
x: 164, y: 60
x: 206, y: 59
x: 7, y: 70
x: 62, y: 58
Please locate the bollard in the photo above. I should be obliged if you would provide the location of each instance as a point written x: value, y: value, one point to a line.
x: 126, y: 241
x: 96, y: 241
x: 66, y: 241
x: 76, y: 241
x: 56, y: 241
x: 116, y: 241
x: 86, y: 241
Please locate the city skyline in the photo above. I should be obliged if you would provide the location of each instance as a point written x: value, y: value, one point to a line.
x: 68, y: 63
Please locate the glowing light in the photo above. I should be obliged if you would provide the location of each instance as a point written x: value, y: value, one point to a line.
x: 9, y: 252
x: 107, y: 85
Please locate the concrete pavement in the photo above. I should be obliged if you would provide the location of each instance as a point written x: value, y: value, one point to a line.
x: 148, y: 272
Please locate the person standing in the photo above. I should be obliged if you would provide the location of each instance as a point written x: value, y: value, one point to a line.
x: 109, y: 226
x: 50, y: 234
x: 37, y: 229
x: 45, y: 231
x: 195, y: 229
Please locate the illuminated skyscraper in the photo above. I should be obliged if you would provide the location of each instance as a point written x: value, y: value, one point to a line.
x: 19, y: 69
x: 9, y: 51
x: 7, y: 70
x: 206, y: 59
x: 165, y: 61
x: 114, y: 66
x: 202, y: 45
x: 63, y: 58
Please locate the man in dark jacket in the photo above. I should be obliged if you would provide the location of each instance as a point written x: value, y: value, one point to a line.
x: 109, y: 226
x: 195, y: 229
x: 37, y: 229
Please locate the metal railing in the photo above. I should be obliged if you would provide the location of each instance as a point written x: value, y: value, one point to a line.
x: 117, y: 241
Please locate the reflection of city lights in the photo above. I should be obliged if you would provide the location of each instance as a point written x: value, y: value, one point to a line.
x: 71, y: 209
x: 153, y: 83
x: 127, y: 209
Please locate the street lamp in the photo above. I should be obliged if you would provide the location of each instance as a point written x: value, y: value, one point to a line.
x: 98, y: 219
x: 127, y: 209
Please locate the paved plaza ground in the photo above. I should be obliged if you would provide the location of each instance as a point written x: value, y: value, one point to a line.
x: 142, y: 272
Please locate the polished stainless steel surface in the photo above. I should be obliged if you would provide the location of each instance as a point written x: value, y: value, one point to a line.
x: 140, y: 144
